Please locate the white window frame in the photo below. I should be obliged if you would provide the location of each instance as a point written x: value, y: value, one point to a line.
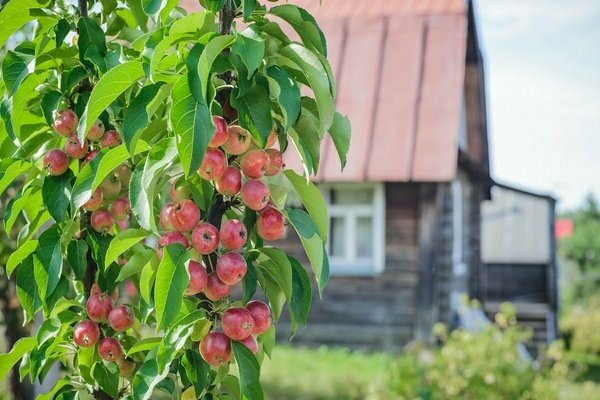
x: 349, y: 265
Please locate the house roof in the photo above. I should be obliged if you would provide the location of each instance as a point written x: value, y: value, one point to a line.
x: 400, y: 69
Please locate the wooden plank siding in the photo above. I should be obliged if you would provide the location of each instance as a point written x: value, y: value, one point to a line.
x: 370, y: 312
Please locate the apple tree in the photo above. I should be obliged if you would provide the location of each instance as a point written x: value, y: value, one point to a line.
x: 147, y: 146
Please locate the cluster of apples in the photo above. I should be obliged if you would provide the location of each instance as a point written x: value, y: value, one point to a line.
x: 101, y: 312
x: 109, y: 203
x: 236, y: 168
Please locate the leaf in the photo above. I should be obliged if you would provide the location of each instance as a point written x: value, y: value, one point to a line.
x: 136, y: 115
x: 312, y: 199
x: 273, y: 292
x: 171, y: 281
x: 275, y: 262
x: 147, y: 278
x: 49, y: 104
x: 77, y: 251
x: 107, y: 380
x: 20, y: 254
x: 249, y: 283
x: 304, y: 24
x: 249, y: 7
x: 108, y: 88
x: 254, y: 110
x: 56, y: 193
x: 340, y: 135
x: 210, y: 53
x: 285, y: 89
x: 15, y: 68
x: 27, y: 290
x: 250, y: 46
x: 312, y: 243
x: 135, y: 264
x: 8, y: 360
x: 249, y: 372
x: 300, y: 58
x: 142, y: 188
x: 11, y: 171
x: 301, y: 292
x: 144, y: 344
x: 192, y: 123
x: 14, y: 15
x: 123, y: 242
x: 50, y: 257
x: 91, y: 38
x: 152, y: 7
x: 197, y: 370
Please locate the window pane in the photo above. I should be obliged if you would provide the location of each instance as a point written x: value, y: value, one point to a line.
x: 364, y: 237
x: 348, y: 195
x: 338, y: 229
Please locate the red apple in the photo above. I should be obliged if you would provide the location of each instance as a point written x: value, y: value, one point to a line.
x: 231, y: 268
x: 255, y: 194
x: 121, y: 318
x: 230, y: 182
x: 237, y: 323
x: 254, y: 163
x: 102, y: 221
x: 95, y: 201
x: 170, y: 238
x: 205, y: 238
x: 126, y: 368
x: 123, y: 172
x: 221, y: 132
x: 121, y: 209
x: 213, y: 164
x: 109, y: 349
x: 215, y: 289
x: 74, y: 148
x: 261, y: 313
x: 251, y: 343
x: 275, y: 162
x: 179, y: 192
x: 271, y: 139
x: 270, y: 224
x: 98, y: 307
x: 90, y: 156
x: 56, y: 162
x: 165, y: 221
x: 110, y: 139
x: 238, y: 140
x: 111, y: 187
x: 233, y: 234
x: 96, y: 131
x: 65, y: 123
x: 215, y: 348
x: 184, y: 216
x: 86, y: 333
x: 198, y: 278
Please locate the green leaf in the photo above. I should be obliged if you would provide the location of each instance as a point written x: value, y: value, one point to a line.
x: 56, y: 193
x: 77, y: 251
x: 136, y: 115
x: 312, y: 199
x: 304, y: 24
x: 20, y: 254
x: 249, y: 372
x: 8, y: 360
x: 312, y: 243
x: 152, y: 7
x: 340, y: 135
x: 250, y: 46
x: 302, y: 59
x: 210, y: 53
x: 138, y: 13
x: 275, y: 263
x: 301, y: 292
x: 15, y: 68
x: 286, y: 91
x: 108, y: 88
x: 107, y: 380
x: 249, y: 283
x: 52, y: 394
x: 192, y: 123
x: 11, y: 169
x: 123, y: 242
x: 171, y: 281
x: 142, y: 188
x: 49, y: 104
x: 273, y: 292
x: 249, y: 7
x: 50, y: 257
x: 135, y: 264
x: 254, y: 110
x: 147, y: 279
x: 197, y: 370
x: 27, y: 290
x: 144, y: 344
x: 14, y: 15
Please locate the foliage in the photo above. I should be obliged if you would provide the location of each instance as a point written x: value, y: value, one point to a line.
x: 581, y: 326
x: 149, y: 86
x: 583, y: 246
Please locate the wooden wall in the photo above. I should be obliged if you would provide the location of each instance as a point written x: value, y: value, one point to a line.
x: 371, y: 312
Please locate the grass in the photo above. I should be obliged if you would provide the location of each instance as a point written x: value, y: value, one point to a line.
x: 325, y: 373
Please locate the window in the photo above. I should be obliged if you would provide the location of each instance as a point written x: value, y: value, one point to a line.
x: 356, y: 244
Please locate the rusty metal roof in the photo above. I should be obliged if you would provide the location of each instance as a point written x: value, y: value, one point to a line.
x: 399, y: 67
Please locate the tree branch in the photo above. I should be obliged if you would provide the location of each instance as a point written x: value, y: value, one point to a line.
x: 83, y: 8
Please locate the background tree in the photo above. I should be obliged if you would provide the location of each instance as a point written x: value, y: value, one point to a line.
x: 133, y: 123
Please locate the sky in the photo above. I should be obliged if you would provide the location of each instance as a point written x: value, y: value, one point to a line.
x: 543, y: 84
